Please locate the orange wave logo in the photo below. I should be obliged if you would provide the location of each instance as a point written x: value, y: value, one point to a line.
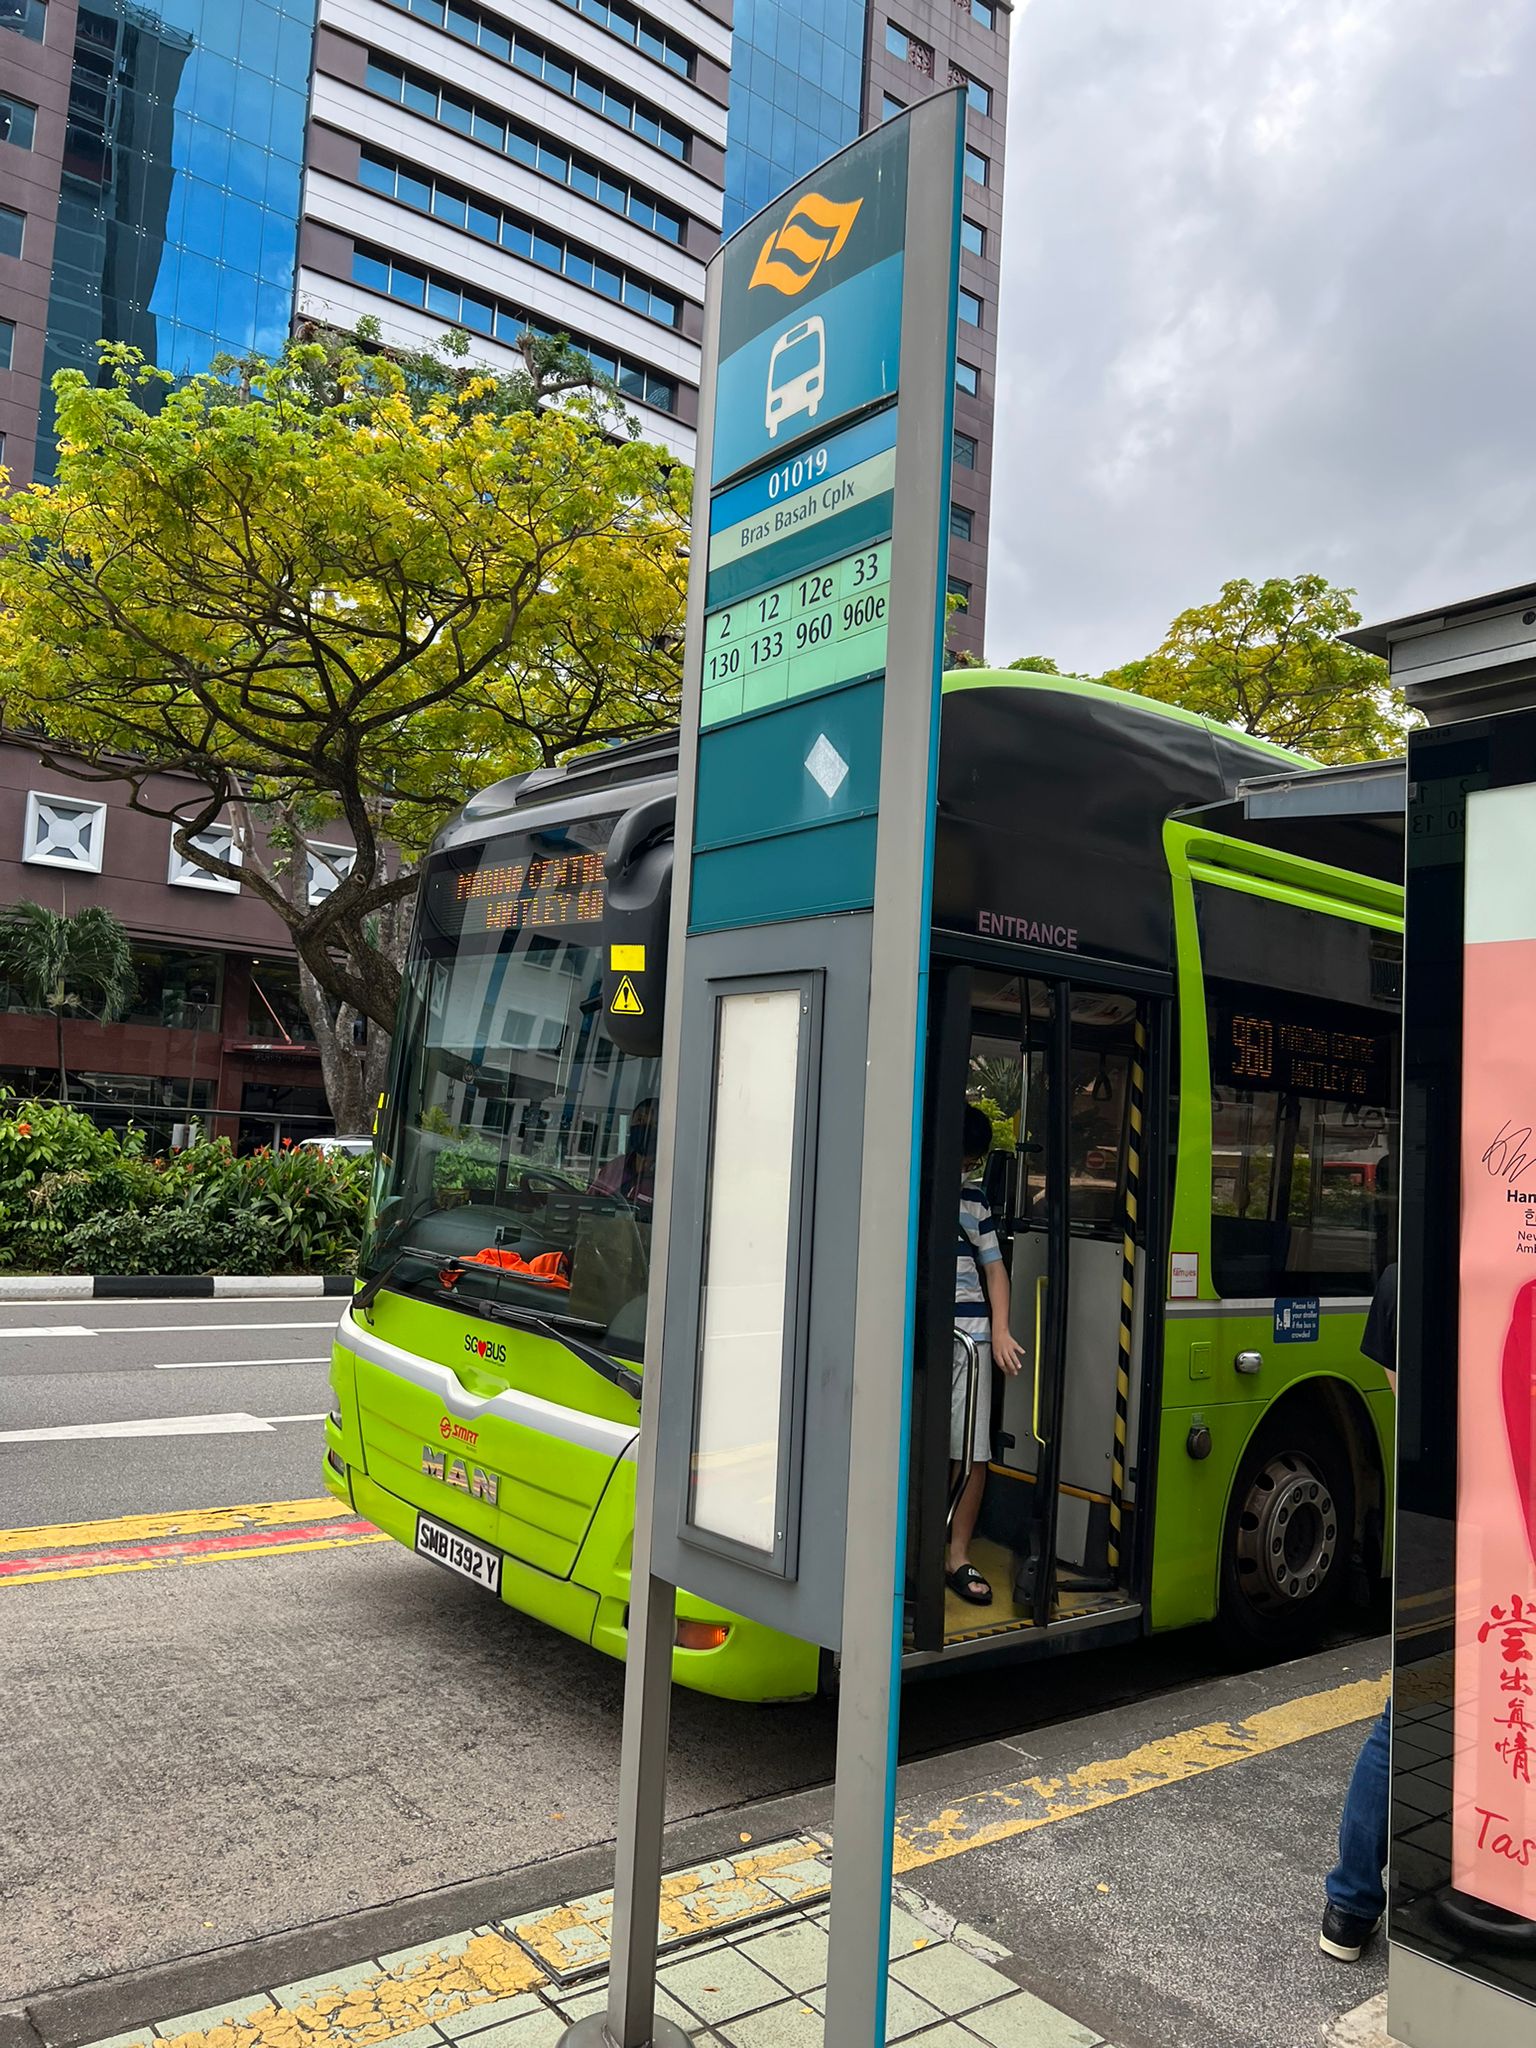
x: 814, y: 232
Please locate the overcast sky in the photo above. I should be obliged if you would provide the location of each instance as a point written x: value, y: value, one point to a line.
x: 1269, y: 305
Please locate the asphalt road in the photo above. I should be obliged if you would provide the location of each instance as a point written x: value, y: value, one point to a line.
x: 72, y: 1374
x: 195, y: 1757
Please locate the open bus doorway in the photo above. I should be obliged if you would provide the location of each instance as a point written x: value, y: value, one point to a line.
x: 1060, y: 1068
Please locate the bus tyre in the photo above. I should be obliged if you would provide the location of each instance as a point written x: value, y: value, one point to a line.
x: 1285, y: 1558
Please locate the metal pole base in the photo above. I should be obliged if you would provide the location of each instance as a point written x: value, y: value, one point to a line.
x: 592, y: 2032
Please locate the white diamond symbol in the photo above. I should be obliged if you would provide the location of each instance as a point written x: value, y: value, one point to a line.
x: 826, y: 766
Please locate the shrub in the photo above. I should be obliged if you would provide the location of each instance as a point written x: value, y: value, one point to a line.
x: 75, y: 1198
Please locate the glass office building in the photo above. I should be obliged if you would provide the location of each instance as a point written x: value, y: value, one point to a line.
x: 797, y: 88
x: 179, y: 169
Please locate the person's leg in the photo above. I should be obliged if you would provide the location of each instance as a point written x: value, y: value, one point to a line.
x: 963, y: 1527
x: 1354, y: 1885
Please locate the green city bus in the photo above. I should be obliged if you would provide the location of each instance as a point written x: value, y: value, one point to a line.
x: 1164, y: 956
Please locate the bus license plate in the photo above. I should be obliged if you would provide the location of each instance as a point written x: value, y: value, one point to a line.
x: 461, y: 1554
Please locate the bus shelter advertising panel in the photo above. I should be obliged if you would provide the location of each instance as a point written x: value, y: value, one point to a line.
x: 1494, y: 1818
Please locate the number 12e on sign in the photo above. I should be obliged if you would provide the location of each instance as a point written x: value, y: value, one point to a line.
x: 810, y: 633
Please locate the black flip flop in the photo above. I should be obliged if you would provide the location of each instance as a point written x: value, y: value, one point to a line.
x: 968, y: 1583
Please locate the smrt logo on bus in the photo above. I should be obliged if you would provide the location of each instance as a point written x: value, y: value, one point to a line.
x: 486, y: 1347
x: 459, y: 1432
x: 470, y: 1479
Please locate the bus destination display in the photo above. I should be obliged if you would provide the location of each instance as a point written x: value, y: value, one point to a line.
x: 1340, y: 1058
x: 825, y: 627
x: 535, y: 890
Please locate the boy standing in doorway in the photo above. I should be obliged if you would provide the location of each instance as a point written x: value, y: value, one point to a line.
x: 981, y: 1313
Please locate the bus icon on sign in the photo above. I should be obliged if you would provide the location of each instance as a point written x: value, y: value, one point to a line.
x: 797, y: 373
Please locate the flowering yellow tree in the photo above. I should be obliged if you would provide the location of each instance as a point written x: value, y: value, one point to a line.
x: 315, y: 587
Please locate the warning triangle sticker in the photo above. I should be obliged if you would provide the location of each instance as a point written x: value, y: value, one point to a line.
x: 625, y: 1002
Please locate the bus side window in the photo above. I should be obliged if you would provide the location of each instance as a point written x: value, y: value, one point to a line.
x: 1303, y: 1019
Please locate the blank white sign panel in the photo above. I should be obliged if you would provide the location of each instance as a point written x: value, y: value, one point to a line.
x: 741, y: 1363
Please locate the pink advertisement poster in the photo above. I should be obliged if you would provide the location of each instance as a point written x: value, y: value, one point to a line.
x: 1494, y: 1816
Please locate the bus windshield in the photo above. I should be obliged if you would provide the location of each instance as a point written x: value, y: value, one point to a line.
x: 517, y: 1158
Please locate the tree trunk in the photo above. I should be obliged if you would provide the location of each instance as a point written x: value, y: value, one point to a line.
x: 354, y: 1080
x: 58, y: 1028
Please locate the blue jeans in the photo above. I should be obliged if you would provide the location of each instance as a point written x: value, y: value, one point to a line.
x: 1355, y: 1884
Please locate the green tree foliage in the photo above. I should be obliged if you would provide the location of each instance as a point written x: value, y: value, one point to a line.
x: 333, y: 585
x: 1266, y: 658
x: 1040, y: 664
x: 80, y: 966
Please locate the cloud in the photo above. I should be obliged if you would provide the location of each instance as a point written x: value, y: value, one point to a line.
x: 1268, y: 304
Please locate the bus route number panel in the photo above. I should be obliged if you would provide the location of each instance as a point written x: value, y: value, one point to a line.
x: 815, y: 631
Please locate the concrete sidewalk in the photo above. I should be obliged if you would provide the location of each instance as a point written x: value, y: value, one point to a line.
x: 1146, y: 1878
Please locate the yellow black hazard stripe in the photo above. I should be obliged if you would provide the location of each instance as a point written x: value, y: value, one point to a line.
x: 1130, y: 1221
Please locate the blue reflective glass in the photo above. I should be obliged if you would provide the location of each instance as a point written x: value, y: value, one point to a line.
x: 449, y: 206
x: 489, y: 130
x: 483, y: 221
x: 237, y: 302
x: 443, y: 300
x: 973, y: 237
x: 242, y: 235
x: 378, y: 177
x: 967, y: 377
x: 896, y: 41
x: 455, y: 112
x: 976, y: 167
x: 420, y: 99
x: 495, y: 43
x: 212, y: 90
x: 970, y: 309
x: 411, y: 190
x: 478, y: 313
x: 258, y: 38
x: 517, y: 239
x: 977, y: 97
x: 369, y: 271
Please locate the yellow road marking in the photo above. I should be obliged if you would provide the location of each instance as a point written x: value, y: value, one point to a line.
x: 266, y: 1514
x: 158, y: 1564
x: 468, y: 1971
x: 1003, y: 1811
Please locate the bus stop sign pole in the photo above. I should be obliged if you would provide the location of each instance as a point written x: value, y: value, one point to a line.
x: 779, y: 1336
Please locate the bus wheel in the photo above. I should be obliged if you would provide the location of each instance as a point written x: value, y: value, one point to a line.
x: 1285, y: 1560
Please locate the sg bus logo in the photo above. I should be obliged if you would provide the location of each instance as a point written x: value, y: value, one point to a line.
x: 487, y: 1348
x: 812, y: 235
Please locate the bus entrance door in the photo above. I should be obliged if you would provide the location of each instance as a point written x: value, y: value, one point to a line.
x: 1056, y: 1065
x: 1063, y: 1481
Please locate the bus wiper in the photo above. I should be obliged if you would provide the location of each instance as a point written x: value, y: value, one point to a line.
x: 624, y: 1377
x: 368, y: 1293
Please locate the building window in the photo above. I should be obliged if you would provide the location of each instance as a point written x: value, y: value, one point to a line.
x: 326, y: 867
x: 973, y: 237
x: 961, y: 522
x: 7, y: 342
x: 178, y: 991
x: 219, y: 840
x: 978, y: 97
x: 64, y: 832
x: 447, y: 299
x: 967, y: 377
x: 525, y: 145
x: 27, y: 17
x: 536, y: 60
x: 13, y: 226
x: 958, y: 587
x: 970, y: 309
x: 493, y: 32
x: 965, y: 450
x: 908, y: 50
x: 518, y: 235
x: 889, y: 104
x: 984, y: 12
x: 977, y: 167
x: 18, y: 119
